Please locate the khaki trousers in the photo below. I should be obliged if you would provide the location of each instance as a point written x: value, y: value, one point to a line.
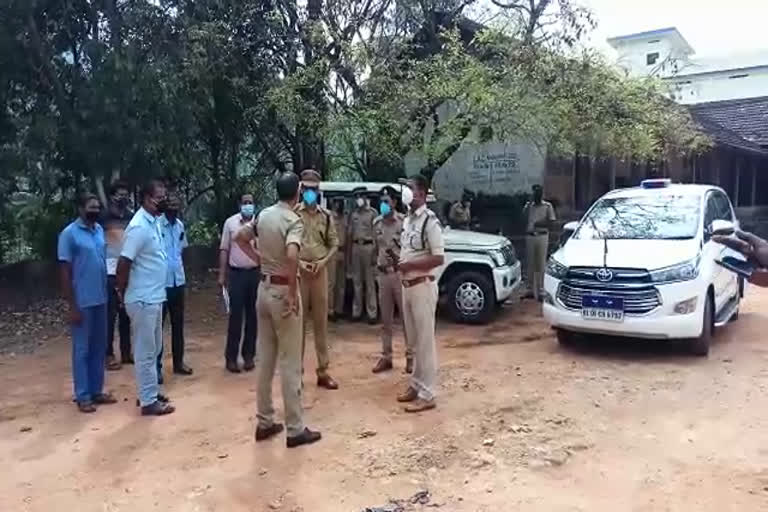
x: 536, y: 252
x: 337, y: 283
x: 391, y: 295
x: 419, y: 306
x: 279, y: 340
x: 314, y: 297
x: 362, y: 271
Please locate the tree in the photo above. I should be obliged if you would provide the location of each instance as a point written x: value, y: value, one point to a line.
x: 480, y: 84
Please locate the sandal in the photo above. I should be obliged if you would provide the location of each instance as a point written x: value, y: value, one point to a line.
x: 113, y: 364
x: 104, y: 399
x: 157, y: 409
x: 86, y: 407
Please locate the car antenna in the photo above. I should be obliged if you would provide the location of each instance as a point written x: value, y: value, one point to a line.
x: 605, y: 242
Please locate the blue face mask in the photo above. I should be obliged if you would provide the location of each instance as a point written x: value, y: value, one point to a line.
x: 247, y: 210
x: 385, y: 209
x: 310, y: 196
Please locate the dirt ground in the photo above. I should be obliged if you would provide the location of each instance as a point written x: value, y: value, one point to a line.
x: 521, y: 425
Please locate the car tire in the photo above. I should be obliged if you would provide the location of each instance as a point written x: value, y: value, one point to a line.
x: 700, y: 346
x: 566, y: 338
x: 471, y: 298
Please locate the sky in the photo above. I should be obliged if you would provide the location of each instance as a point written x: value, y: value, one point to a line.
x: 714, y: 28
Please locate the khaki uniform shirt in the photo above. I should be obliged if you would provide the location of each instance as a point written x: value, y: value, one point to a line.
x: 388, y: 235
x: 411, y: 241
x: 361, y: 224
x: 459, y: 215
x: 536, y: 213
x: 319, y: 233
x: 340, y: 222
x: 278, y: 226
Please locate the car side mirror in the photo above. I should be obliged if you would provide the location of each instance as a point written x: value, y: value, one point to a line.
x: 721, y: 228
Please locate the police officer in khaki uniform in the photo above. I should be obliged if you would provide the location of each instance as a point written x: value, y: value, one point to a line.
x: 460, y: 215
x: 279, y: 311
x: 388, y: 228
x: 337, y: 268
x: 318, y: 247
x: 422, y: 253
x: 360, y: 235
x: 539, y: 215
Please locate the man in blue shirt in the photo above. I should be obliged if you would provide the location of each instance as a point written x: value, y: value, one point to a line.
x: 141, y: 275
x: 174, y: 243
x: 83, y: 267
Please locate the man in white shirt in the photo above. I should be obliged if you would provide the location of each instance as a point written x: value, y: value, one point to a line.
x: 240, y: 275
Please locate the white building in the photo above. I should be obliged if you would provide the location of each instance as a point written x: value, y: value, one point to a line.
x: 665, y: 53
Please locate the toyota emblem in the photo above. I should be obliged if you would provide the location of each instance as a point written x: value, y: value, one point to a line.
x: 604, y: 275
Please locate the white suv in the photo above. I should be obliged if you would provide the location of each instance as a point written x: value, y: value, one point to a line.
x: 481, y: 271
x: 640, y: 263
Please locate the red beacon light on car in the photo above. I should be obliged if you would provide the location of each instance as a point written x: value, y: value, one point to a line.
x: 656, y: 183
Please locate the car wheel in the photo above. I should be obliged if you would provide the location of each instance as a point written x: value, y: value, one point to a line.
x: 471, y: 298
x: 566, y: 338
x: 700, y: 346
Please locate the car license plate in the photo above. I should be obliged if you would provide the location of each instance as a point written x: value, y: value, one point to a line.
x: 600, y: 307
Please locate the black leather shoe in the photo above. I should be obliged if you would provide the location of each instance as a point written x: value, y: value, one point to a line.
x: 232, y: 367
x: 306, y: 437
x: 183, y: 370
x: 372, y: 321
x: 262, y: 434
x: 157, y: 408
x: 249, y: 365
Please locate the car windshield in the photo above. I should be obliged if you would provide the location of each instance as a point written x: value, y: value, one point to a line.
x: 657, y: 217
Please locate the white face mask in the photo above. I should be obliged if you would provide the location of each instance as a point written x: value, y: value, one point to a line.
x: 360, y: 202
x: 407, y: 196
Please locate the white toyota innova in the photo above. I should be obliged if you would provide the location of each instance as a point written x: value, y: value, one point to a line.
x: 641, y: 263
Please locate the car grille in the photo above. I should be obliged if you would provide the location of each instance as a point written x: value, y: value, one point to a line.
x: 510, y: 258
x: 618, y: 275
x: 637, y: 301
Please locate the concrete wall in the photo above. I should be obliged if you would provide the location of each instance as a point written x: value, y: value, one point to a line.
x: 491, y: 168
x: 724, y: 85
x: 28, y: 281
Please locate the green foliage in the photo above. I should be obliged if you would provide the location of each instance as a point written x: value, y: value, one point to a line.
x: 219, y: 95
x: 203, y: 233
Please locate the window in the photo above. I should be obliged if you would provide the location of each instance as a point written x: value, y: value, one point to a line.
x: 718, y: 208
x: 724, y: 211
x: 663, y: 216
x: 652, y: 58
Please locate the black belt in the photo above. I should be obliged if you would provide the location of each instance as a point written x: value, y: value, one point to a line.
x: 364, y: 242
x: 240, y: 269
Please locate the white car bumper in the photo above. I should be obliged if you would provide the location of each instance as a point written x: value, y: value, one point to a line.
x: 661, y: 323
x: 506, y: 280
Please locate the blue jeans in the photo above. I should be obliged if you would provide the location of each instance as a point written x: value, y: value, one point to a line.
x: 147, y: 337
x: 89, y: 350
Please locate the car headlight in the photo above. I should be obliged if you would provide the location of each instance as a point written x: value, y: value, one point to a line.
x: 681, y: 272
x: 497, y: 257
x: 556, y: 269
